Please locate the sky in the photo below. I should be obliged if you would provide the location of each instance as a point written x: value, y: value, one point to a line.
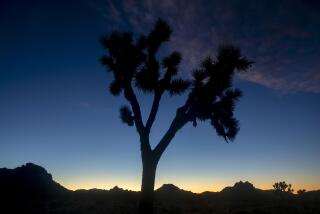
x: 56, y: 110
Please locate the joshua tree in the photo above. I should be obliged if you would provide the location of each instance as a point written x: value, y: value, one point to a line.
x: 282, y: 186
x: 301, y: 191
x: 135, y: 65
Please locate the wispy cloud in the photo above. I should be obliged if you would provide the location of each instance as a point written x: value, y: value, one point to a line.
x: 306, y: 82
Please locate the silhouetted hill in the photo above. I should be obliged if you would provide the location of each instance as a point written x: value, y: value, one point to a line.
x: 26, y: 189
x: 240, y: 187
x: 171, y: 189
x: 29, y: 180
x: 31, y: 189
x: 172, y: 193
x: 245, y: 191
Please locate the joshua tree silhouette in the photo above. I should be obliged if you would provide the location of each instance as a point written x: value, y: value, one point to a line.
x: 211, y: 97
x: 282, y: 186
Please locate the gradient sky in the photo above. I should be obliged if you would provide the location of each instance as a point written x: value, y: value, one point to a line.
x: 56, y: 110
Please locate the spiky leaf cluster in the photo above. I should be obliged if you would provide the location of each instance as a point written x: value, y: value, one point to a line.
x: 160, y: 33
x: 136, y: 61
x: 148, y: 76
x: 126, y: 115
x: 212, y: 97
x: 123, y: 58
x: 178, y: 86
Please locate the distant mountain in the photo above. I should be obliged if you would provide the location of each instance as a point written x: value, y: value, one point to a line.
x: 170, y: 189
x: 245, y: 191
x: 28, y: 181
x: 240, y: 187
x: 172, y: 192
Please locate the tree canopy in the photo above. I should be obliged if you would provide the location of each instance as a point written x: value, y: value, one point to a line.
x: 212, y: 97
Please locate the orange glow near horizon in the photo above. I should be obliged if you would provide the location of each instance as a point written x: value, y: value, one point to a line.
x: 193, y: 187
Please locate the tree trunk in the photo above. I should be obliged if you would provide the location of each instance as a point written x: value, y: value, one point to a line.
x: 146, y: 205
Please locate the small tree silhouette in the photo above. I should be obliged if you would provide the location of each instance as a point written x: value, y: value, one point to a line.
x: 301, y: 191
x: 282, y: 186
x: 211, y: 98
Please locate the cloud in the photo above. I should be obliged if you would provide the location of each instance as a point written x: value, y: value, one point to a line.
x: 308, y: 82
x: 284, y: 46
x: 114, y: 12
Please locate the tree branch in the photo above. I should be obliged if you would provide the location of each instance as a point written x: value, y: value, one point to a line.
x: 156, y: 101
x: 154, y: 110
x: 131, y: 97
x: 177, y: 123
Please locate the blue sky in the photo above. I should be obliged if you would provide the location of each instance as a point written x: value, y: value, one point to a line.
x: 56, y: 110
